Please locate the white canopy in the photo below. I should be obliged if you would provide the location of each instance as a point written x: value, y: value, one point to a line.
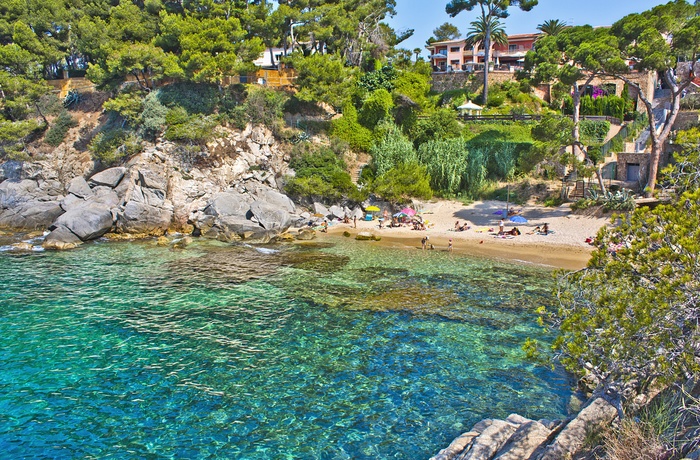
x: 470, y: 106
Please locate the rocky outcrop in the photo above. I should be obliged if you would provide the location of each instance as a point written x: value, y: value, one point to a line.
x: 228, y: 193
x: 518, y: 438
x: 27, y: 204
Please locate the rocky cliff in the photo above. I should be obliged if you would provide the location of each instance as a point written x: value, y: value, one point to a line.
x: 228, y: 191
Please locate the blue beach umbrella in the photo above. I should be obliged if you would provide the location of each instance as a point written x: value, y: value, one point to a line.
x: 518, y: 219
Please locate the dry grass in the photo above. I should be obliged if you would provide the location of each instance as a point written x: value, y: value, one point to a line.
x: 635, y: 441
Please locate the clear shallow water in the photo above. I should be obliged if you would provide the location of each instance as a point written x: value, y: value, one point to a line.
x: 347, y: 351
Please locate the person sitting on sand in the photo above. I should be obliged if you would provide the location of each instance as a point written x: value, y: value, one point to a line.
x: 545, y: 229
x: 324, y: 227
x: 513, y: 231
x: 457, y: 226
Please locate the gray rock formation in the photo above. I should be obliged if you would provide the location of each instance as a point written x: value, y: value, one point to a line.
x: 87, y: 222
x: 569, y: 441
x: 518, y: 438
x: 25, y: 205
x: 109, y: 177
x: 61, y: 238
x: 229, y: 194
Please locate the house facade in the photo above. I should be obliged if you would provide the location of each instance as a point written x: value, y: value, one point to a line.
x: 455, y: 55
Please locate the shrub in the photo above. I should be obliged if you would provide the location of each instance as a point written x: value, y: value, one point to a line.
x: 188, y: 128
x: 376, y: 108
x: 351, y: 131
x: 265, y: 106
x: 127, y: 104
x: 58, y: 130
x: 321, y: 174
x: 446, y: 162
x: 153, y: 116
x: 594, y: 131
x: 402, y: 182
x: 200, y: 98
x: 393, y: 149
x: 114, y: 145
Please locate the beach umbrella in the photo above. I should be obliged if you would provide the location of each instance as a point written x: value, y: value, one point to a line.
x: 372, y: 209
x: 399, y: 214
x: 518, y: 219
x: 409, y: 211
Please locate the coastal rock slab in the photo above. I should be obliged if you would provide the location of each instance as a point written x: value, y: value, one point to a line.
x: 139, y: 217
x: 337, y: 211
x: 277, y: 199
x: 109, y: 177
x: 87, y: 222
x: 457, y: 446
x: 571, y: 438
x: 523, y: 443
x: 490, y: 441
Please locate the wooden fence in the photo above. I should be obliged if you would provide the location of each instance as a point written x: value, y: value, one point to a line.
x: 528, y: 117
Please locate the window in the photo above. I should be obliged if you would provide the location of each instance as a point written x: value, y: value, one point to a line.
x: 512, y: 48
x: 455, y: 62
x: 455, y: 49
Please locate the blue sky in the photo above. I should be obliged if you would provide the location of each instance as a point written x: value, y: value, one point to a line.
x: 426, y: 15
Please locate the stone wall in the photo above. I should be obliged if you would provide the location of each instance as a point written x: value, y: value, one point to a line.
x: 686, y: 120
x: 623, y: 159
x: 472, y: 81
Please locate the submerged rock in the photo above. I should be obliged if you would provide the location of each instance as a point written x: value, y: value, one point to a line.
x: 61, y: 238
x: 367, y: 236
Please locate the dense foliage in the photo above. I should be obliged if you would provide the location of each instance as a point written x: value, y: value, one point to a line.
x: 631, y: 317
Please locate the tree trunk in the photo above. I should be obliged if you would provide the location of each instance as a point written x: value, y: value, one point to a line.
x: 487, y: 55
x: 576, y: 133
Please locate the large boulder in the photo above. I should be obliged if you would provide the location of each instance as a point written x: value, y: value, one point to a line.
x: 337, y: 211
x: 526, y: 439
x: 87, y: 222
x: 276, y: 199
x: 61, y: 238
x: 228, y: 204
x: 30, y: 215
x: 143, y: 218
x: 321, y: 210
x: 109, y: 177
x: 80, y: 188
x: 271, y: 217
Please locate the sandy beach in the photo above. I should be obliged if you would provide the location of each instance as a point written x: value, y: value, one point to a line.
x: 565, y: 247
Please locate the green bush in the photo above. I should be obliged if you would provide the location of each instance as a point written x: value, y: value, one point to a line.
x: 127, y: 104
x: 114, y: 145
x: 446, y: 162
x: 593, y: 132
x: 403, y: 182
x: 376, y: 108
x: 265, y: 106
x: 58, y: 130
x: 321, y: 174
x: 349, y: 129
x: 188, y: 128
x: 153, y: 120
x: 195, y: 98
x: 391, y: 150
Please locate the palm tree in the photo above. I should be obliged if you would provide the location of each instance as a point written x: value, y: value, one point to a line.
x: 477, y: 36
x: 417, y: 52
x: 552, y: 27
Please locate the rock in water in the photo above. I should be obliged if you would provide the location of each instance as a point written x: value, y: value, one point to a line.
x: 61, y: 238
x: 87, y: 222
x: 306, y: 234
x: 367, y: 236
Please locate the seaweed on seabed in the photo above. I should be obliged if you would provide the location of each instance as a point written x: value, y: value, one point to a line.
x: 321, y: 262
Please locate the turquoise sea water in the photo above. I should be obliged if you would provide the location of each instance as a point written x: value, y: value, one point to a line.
x: 341, y: 351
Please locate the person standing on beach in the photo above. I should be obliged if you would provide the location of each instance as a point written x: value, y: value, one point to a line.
x: 449, y: 246
x: 354, y: 221
x: 501, y: 227
x: 424, y: 242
